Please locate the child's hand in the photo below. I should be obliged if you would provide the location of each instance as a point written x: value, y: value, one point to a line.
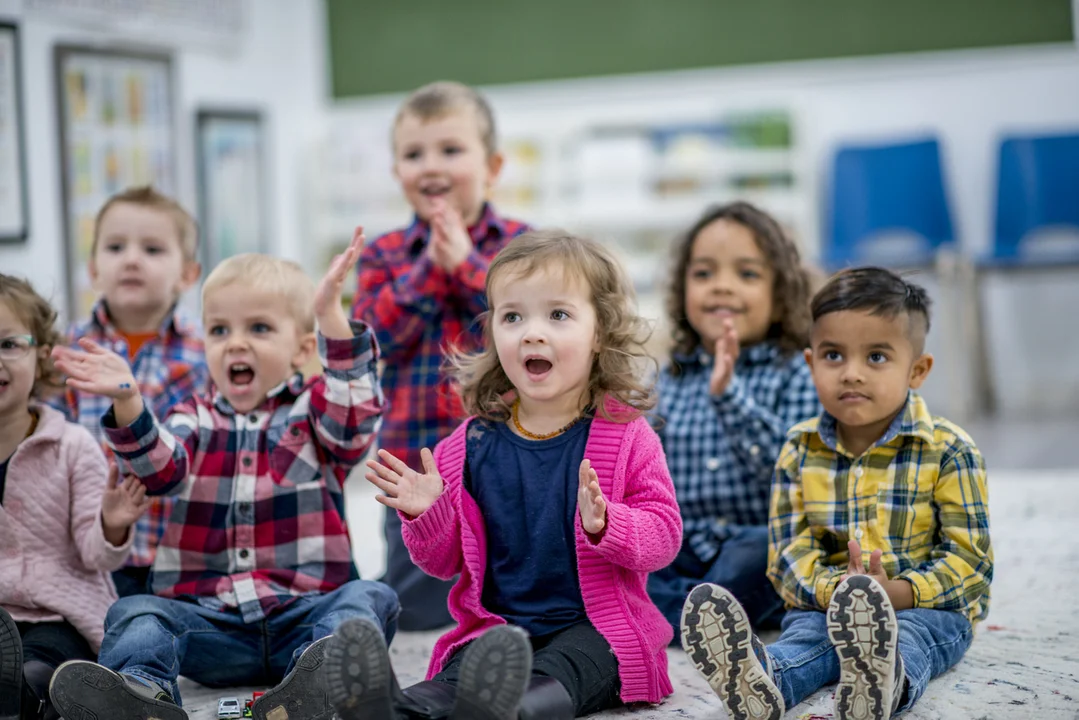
x: 121, y: 505
x: 96, y: 370
x: 856, y: 567
x: 726, y: 353
x: 590, y: 502
x: 332, y: 322
x: 450, y: 242
x: 406, y: 490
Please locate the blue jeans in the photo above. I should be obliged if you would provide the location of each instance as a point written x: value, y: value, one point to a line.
x: 159, y: 639
x: 930, y: 642
x: 740, y: 567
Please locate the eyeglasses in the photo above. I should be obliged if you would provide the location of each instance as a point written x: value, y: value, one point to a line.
x: 16, y: 347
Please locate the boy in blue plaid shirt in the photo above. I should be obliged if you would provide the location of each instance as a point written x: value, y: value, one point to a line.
x: 144, y: 256
x: 874, y: 475
x: 737, y: 381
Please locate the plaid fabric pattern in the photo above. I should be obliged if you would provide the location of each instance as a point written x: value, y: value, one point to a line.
x: 169, y: 369
x: 260, y: 512
x: 919, y: 495
x: 419, y: 311
x: 722, y: 450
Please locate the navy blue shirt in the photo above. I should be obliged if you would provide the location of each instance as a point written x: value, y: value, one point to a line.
x: 527, y: 492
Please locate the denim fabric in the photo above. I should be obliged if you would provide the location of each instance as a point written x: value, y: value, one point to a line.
x: 930, y: 642
x: 159, y: 639
x: 740, y: 567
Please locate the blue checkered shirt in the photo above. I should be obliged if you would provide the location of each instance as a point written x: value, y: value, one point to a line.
x: 722, y: 450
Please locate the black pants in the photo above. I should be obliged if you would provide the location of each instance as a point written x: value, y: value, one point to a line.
x: 51, y: 644
x: 424, y: 599
x: 577, y: 657
x: 132, y: 581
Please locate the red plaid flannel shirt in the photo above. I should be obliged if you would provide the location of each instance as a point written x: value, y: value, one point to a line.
x: 260, y: 510
x: 418, y: 311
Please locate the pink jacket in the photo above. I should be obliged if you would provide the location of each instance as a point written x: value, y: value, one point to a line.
x: 53, y: 554
x: 644, y: 533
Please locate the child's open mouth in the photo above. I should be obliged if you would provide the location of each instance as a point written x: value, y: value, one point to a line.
x: 241, y: 374
x: 538, y: 366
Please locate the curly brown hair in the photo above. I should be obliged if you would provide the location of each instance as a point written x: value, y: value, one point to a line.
x: 790, y: 291
x: 620, y: 366
x: 38, y: 316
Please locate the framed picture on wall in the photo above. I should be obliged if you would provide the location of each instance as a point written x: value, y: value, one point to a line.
x: 116, y: 131
x: 14, y: 194
x: 231, y: 184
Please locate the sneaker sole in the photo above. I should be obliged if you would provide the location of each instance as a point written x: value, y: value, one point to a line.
x: 863, y: 629
x: 718, y: 639
x: 82, y: 690
x: 358, y: 672
x: 302, y: 694
x: 494, y: 675
x: 10, y: 668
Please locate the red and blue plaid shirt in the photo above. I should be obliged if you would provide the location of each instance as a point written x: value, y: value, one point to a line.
x: 260, y: 509
x: 169, y: 369
x: 419, y: 311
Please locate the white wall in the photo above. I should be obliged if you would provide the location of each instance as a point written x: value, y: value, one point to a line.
x: 277, y: 66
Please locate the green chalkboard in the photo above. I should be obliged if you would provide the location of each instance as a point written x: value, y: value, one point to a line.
x: 379, y: 46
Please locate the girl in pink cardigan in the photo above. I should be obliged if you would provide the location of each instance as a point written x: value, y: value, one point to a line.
x: 64, y: 521
x: 550, y: 505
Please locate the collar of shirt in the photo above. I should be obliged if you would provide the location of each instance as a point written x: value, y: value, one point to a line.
x: 285, y: 392
x: 489, y: 226
x: 913, y: 421
x: 763, y: 353
x: 175, y: 323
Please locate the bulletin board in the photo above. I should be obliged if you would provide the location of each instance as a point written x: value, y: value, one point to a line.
x: 116, y: 130
x: 379, y: 46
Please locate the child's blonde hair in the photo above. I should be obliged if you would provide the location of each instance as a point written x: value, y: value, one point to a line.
x: 790, y: 288
x: 39, y: 317
x: 187, y: 230
x: 617, y: 369
x: 439, y: 99
x: 263, y: 273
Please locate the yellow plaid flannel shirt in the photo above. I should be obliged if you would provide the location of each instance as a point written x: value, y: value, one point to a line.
x: 919, y: 495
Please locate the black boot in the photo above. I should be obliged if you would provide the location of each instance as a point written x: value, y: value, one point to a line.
x: 36, y: 704
x: 546, y: 699
x: 11, y: 685
x: 427, y: 700
x: 494, y: 675
x: 358, y: 675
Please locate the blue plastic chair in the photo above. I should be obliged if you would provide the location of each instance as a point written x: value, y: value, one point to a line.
x: 1037, y: 189
x: 887, y: 206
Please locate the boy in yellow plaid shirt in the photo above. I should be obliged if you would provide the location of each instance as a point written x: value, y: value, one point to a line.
x: 874, y: 476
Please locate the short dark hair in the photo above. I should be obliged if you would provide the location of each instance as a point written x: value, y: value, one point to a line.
x: 877, y: 290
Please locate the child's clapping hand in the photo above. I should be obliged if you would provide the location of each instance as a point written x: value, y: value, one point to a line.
x: 450, y: 242
x: 101, y: 372
x: 590, y: 502
x: 726, y: 353
x: 405, y: 489
x: 121, y: 505
x: 332, y: 321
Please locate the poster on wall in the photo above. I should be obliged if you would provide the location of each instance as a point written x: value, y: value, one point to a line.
x: 116, y: 132
x: 231, y: 175
x: 14, y: 212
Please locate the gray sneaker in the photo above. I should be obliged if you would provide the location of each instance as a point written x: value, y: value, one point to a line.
x: 302, y: 694
x: 717, y: 637
x: 82, y: 690
x: 865, y: 633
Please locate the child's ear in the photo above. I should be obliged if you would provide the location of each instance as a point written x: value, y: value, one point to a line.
x: 495, y: 161
x: 919, y: 371
x: 190, y: 275
x: 306, y: 350
x: 808, y: 355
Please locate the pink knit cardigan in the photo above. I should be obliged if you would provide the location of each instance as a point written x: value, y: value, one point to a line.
x: 54, y: 558
x: 644, y: 533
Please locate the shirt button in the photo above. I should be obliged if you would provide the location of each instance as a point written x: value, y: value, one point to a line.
x: 712, y: 464
x: 294, y: 431
x: 858, y: 471
x: 858, y: 534
x: 754, y: 450
x: 245, y: 507
x: 247, y: 462
x: 253, y: 418
x: 244, y: 553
